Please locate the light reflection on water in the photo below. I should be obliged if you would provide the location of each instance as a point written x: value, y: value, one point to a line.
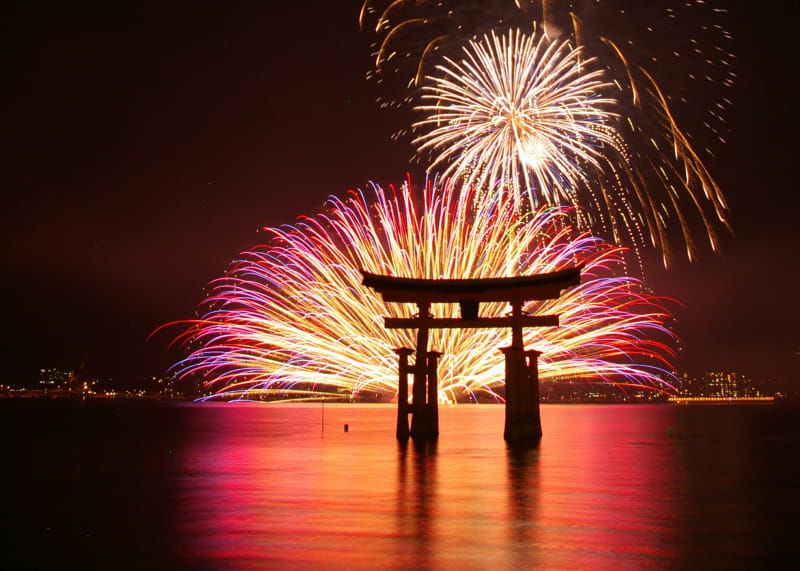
x: 136, y: 485
x: 636, y: 486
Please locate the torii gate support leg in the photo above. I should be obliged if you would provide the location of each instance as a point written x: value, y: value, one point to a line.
x: 523, y: 421
x: 402, y: 393
x: 523, y: 424
x: 433, y: 393
x: 515, y: 378
x: 530, y: 416
x: 422, y: 423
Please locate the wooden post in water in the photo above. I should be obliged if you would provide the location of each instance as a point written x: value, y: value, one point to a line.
x: 512, y: 368
x: 421, y: 421
x: 523, y: 423
x: 433, y: 393
x: 532, y: 417
x: 402, y: 393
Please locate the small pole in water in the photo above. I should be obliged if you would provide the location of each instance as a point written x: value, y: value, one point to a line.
x: 322, y: 423
x: 347, y: 428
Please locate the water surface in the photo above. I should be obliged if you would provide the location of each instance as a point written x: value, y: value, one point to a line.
x: 212, y: 486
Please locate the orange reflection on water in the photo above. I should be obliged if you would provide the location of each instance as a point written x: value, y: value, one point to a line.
x: 266, y: 486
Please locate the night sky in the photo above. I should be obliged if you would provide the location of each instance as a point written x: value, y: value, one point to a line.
x: 144, y: 147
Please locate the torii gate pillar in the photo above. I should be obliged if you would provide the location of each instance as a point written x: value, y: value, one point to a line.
x: 523, y: 422
x: 424, y: 407
x: 402, y: 393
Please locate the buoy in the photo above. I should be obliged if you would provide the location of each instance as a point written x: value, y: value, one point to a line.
x: 347, y: 428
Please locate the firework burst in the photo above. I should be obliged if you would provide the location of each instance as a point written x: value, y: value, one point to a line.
x: 651, y: 177
x: 290, y: 319
x: 522, y: 114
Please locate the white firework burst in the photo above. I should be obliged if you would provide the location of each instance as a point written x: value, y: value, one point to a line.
x: 520, y: 113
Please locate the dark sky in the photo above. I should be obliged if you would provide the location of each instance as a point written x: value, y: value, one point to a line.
x: 143, y: 148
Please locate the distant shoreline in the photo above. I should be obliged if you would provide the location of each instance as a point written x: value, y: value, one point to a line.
x: 34, y: 396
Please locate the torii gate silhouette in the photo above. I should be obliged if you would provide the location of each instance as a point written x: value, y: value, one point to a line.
x: 522, y: 423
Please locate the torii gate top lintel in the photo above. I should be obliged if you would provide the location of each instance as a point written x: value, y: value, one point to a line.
x: 517, y: 288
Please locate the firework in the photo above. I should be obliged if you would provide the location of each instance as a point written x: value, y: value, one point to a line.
x: 523, y: 114
x: 653, y: 176
x: 290, y: 319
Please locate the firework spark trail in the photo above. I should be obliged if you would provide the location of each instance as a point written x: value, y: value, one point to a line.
x: 522, y: 114
x: 653, y: 177
x: 291, y: 319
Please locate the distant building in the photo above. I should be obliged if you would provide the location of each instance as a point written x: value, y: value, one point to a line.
x: 54, y: 379
x: 593, y: 390
x: 718, y: 384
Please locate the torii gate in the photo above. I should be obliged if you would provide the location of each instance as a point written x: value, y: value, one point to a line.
x: 522, y: 423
